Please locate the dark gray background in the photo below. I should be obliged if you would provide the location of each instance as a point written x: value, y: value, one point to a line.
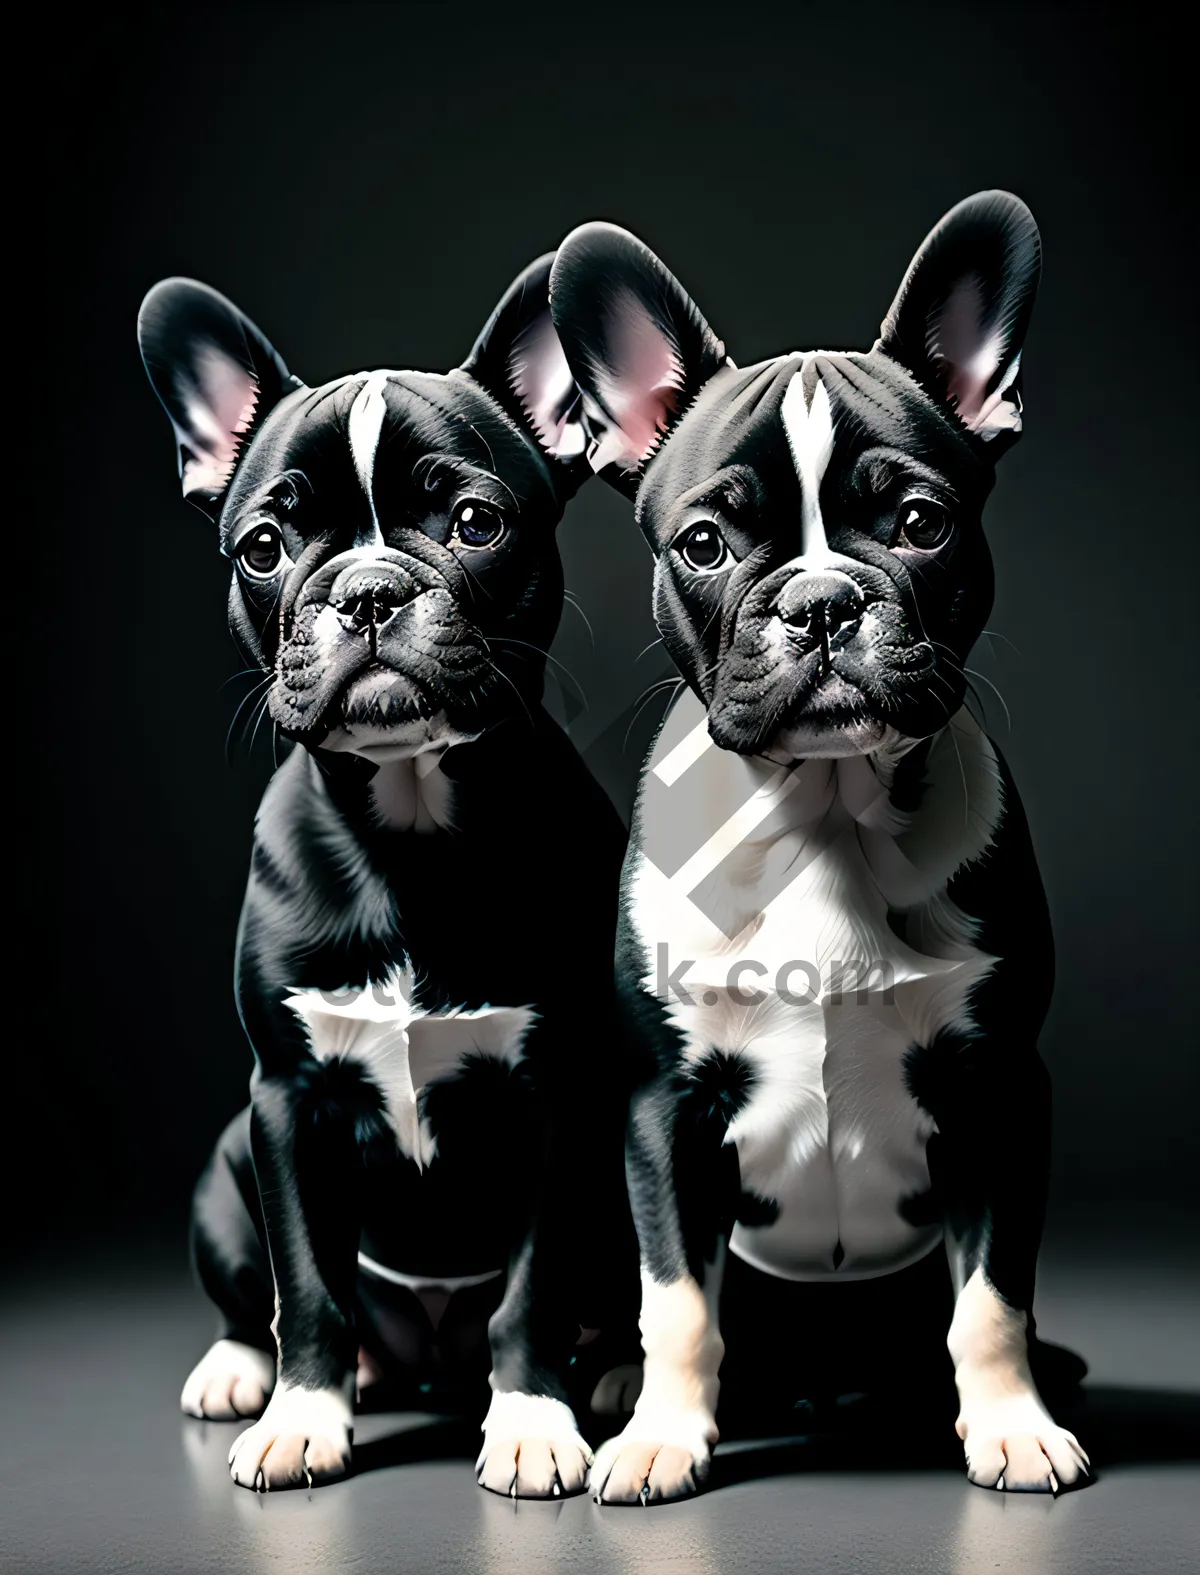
x: 364, y: 181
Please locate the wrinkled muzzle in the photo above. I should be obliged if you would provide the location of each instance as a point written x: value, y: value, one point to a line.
x: 835, y: 647
x: 375, y: 637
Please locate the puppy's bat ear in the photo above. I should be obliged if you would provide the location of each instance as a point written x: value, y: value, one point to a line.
x: 216, y: 375
x: 518, y: 359
x: 960, y: 318
x: 635, y: 341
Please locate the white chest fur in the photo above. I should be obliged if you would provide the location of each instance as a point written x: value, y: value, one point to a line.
x: 781, y: 918
x: 403, y: 1049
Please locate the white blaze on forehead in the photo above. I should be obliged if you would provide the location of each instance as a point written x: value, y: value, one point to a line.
x: 809, y: 429
x: 364, y: 426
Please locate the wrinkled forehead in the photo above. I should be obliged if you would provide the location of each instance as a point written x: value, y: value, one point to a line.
x: 364, y: 445
x: 796, y: 420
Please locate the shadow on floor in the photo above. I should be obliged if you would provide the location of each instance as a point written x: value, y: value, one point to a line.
x: 1118, y: 1426
x: 444, y: 1438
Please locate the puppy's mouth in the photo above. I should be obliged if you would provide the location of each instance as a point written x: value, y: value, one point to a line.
x: 382, y: 698
x: 385, y: 716
x: 835, y: 720
x: 791, y: 718
x: 423, y: 673
x: 790, y: 699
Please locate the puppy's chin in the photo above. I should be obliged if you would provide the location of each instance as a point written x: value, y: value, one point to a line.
x: 817, y: 739
x: 402, y: 742
x: 386, y: 717
x: 831, y: 722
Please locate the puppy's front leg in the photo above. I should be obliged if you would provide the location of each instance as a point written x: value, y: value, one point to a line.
x: 532, y: 1447
x: 665, y: 1449
x: 305, y: 1163
x: 992, y: 1167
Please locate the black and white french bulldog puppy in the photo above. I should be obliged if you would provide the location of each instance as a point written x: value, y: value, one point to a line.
x: 834, y: 954
x: 424, y: 956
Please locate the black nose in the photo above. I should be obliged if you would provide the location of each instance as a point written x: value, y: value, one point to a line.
x: 367, y: 608
x: 820, y: 611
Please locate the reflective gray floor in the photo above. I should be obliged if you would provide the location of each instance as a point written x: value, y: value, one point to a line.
x: 99, y: 1473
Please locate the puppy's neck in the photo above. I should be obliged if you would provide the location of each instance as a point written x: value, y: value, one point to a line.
x: 459, y: 783
x: 406, y: 789
x: 413, y: 794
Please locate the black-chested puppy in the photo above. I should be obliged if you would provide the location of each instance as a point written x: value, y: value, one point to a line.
x: 834, y: 953
x: 424, y: 958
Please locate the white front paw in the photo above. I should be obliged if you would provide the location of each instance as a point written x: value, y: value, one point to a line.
x: 229, y: 1380
x: 660, y: 1455
x: 531, y: 1448
x: 1013, y: 1444
x: 302, y: 1437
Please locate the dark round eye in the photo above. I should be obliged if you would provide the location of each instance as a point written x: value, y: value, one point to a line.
x: 702, y: 547
x: 924, y: 524
x: 262, y: 552
x: 477, y: 525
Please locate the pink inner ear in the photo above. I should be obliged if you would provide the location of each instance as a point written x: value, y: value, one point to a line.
x: 218, y: 400
x: 643, y: 392
x: 542, y: 381
x: 969, y: 352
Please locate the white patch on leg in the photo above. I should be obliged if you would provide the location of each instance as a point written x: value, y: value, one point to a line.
x: 1011, y: 1440
x: 303, y: 1437
x: 675, y: 1414
x: 403, y: 1048
x: 230, y: 1380
x: 532, y: 1448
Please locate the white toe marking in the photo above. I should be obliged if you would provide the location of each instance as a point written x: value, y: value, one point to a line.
x: 315, y: 1414
x: 1001, y: 1413
x: 683, y: 1350
x: 517, y: 1416
x: 226, y: 1359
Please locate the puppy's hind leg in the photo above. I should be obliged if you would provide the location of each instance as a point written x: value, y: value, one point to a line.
x: 993, y: 1163
x: 235, y: 1376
